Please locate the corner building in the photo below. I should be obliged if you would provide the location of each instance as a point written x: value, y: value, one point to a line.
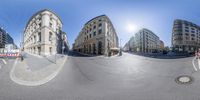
x: 97, y: 37
x: 43, y: 34
x: 185, y: 36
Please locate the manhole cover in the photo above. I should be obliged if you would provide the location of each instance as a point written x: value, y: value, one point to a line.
x: 184, y: 79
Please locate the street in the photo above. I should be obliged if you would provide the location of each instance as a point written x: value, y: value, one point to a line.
x: 126, y: 77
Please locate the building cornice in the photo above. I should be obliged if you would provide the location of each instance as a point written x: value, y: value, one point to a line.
x: 39, y: 12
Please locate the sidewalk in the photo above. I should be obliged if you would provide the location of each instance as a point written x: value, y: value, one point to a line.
x: 35, y: 71
x: 35, y: 63
x: 159, y: 55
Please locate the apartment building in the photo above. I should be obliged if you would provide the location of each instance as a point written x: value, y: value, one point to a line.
x: 185, y: 36
x: 146, y: 41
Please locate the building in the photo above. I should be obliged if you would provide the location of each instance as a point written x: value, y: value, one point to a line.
x: 64, y: 43
x: 43, y: 34
x: 130, y: 45
x: 5, y: 38
x: 2, y: 38
x: 185, y: 36
x: 97, y: 37
x: 10, y: 47
x: 146, y: 41
x: 126, y: 47
x: 162, y: 46
x: 9, y: 39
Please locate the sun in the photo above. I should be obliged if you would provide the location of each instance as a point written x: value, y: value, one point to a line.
x: 131, y: 28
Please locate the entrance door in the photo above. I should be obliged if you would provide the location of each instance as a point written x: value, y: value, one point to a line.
x: 100, y: 48
x: 39, y: 50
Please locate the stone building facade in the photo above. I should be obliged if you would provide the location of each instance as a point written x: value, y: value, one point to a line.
x: 97, y: 37
x: 43, y: 34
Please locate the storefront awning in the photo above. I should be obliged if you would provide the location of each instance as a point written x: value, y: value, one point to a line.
x: 114, y: 49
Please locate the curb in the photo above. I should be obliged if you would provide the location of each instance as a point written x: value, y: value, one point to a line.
x: 35, y: 83
x: 34, y: 55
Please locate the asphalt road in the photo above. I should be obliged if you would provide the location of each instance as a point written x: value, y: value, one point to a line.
x: 127, y: 77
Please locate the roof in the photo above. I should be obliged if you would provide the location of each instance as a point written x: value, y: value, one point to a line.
x: 94, y: 18
x: 41, y: 12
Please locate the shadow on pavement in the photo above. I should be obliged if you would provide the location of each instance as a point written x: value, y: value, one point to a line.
x: 77, y: 54
x: 162, y: 56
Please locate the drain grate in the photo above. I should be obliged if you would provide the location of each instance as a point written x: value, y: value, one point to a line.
x: 184, y: 79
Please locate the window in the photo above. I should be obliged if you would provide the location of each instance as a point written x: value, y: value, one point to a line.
x: 193, y: 31
x: 90, y: 35
x: 94, y: 27
x: 192, y: 35
x: 50, y: 36
x: 50, y: 50
x: 40, y: 24
x: 186, y: 30
x: 100, y: 31
x: 100, y: 24
x: 34, y: 39
x: 50, y: 25
x: 186, y: 24
x: 108, y: 33
x: 94, y: 34
x: 39, y: 36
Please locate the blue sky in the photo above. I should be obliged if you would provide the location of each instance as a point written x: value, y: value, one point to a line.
x: 156, y: 15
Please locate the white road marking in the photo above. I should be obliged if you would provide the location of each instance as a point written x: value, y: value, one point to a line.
x: 198, y: 60
x: 195, y: 68
x: 4, y: 61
